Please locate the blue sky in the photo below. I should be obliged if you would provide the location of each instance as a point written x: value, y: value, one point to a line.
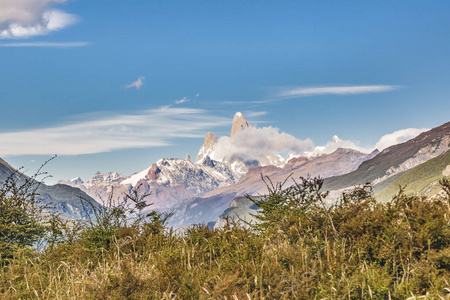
x: 313, y: 69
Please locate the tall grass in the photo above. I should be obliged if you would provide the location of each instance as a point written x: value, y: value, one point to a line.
x: 302, y: 249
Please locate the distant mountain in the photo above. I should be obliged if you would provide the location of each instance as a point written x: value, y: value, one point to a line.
x: 212, y: 204
x: 169, y: 181
x: 391, y: 162
x: 60, y: 198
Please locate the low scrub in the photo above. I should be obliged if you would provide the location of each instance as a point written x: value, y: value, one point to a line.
x: 301, y: 248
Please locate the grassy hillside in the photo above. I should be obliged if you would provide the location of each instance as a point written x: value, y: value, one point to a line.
x: 423, y: 178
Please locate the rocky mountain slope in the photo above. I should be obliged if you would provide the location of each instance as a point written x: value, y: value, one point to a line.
x: 169, y: 181
x: 392, y: 161
x: 59, y: 198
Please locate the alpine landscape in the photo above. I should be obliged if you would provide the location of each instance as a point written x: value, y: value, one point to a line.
x: 224, y: 150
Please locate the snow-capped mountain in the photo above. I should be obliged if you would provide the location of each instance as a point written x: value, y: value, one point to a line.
x: 99, y: 187
x: 196, y: 178
x: 168, y: 180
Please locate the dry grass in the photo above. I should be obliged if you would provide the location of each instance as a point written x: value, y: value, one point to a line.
x: 398, y: 250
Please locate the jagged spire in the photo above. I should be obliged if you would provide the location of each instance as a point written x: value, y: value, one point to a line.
x: 239, y: 124
x: 207, y: 147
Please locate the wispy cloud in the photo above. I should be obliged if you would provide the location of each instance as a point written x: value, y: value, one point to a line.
x: 27, y: 18
x: 136, y: 84
x: 96, y: 134
x: 336, y: 90
x: 46, y: 44
x: 255, y: 114
x: 182, y: 100
x: 323, y: 90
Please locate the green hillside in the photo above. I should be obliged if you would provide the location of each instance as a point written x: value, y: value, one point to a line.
x: 393, y: 156
x: 424, y: 178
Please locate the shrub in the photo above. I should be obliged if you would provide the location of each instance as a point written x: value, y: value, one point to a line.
x: 20, y: 215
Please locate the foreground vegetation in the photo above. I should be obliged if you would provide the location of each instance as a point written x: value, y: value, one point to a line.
x: 302, y: 248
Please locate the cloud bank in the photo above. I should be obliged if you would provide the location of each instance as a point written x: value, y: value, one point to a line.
x: 391, y: 139
x: 255, y: 143
x: 27, y: 18
x: 151, y: 128
x: 136, y: 84
x: 397, y: 137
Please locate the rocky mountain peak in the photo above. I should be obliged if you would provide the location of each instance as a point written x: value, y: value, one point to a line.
x: 207, y: 147
x: 239, y: 124
x: 188, y: 158
x: 77, y: 181
x: 210, y: 139
x: 154, y: 172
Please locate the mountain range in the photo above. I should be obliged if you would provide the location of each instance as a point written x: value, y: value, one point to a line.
x: 214, y: 186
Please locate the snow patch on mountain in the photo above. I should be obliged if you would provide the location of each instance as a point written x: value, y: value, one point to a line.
x: 134, y: 179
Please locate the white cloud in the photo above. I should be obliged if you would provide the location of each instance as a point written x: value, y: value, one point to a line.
x: 398, y: 137
x: 151, y: 128
x: 336, y: 90
x: 391, y: 139
x: 26, y: 18
x: 254, y: 143
x: 182, y: 100
x: 46, y: 44
x: 137, y: 84
x: 197, y: 95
